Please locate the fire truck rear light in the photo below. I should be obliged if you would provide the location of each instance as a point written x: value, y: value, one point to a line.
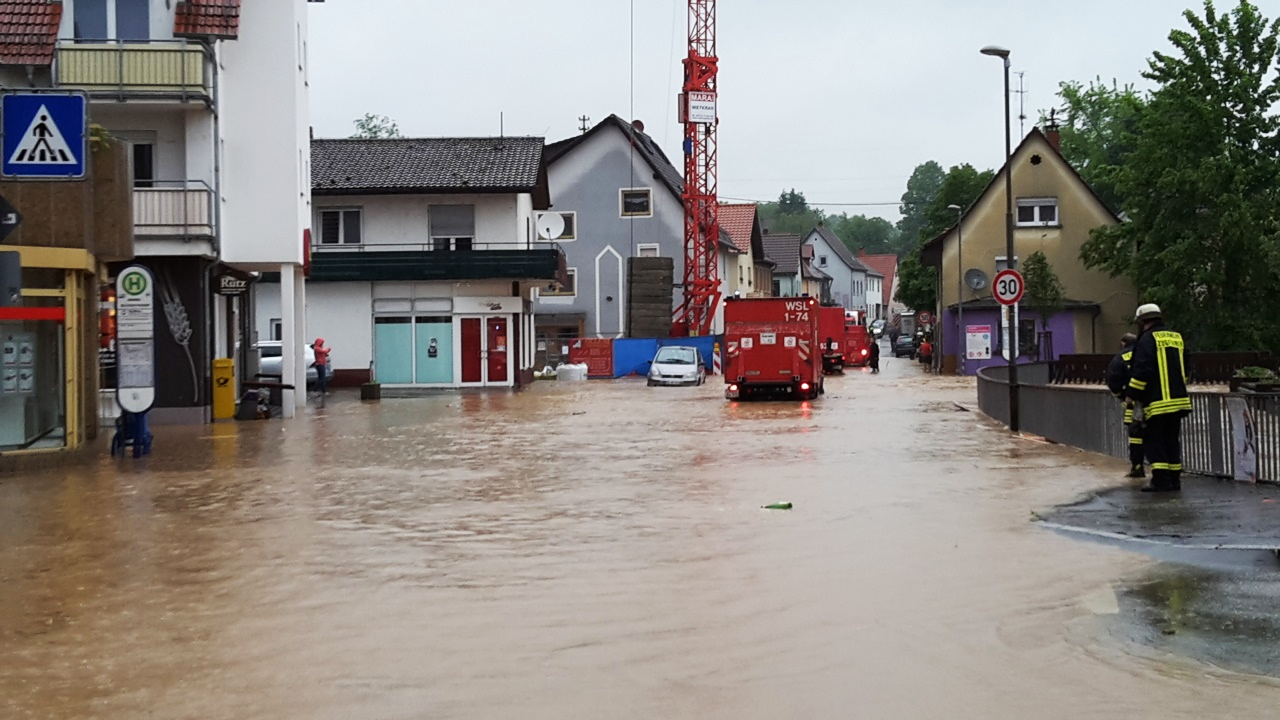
x: 804, y: 387
x: 864, y: 351
x: 733, y: 388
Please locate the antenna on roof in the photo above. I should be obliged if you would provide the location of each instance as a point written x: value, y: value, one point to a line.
x: 584, y: 124
x: 1022, y: 105
x: 502, y: 125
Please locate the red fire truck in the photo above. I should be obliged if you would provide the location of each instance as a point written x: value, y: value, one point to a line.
x: 857, y: 342
x: 831, y: 338
x: 772, y: 348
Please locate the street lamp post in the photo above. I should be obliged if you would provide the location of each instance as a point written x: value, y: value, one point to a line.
x: 1012, y: 357
x: 961, y: 336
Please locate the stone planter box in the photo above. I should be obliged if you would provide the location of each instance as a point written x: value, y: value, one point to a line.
x: 371, y: 391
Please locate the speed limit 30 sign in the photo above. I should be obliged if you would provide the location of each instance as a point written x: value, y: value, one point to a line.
x: 1008, y: 287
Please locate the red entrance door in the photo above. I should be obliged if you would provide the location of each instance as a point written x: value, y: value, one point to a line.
x: 499, y: 329
x: 472, y: 351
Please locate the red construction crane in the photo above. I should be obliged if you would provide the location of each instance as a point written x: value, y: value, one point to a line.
x: 701, y: 204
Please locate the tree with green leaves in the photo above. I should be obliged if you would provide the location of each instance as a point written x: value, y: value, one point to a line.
x: 1099, y: 128
x: 1202, y: 185
x: 790, y: 214
x: 875, y: 235
x: 1044, y: 292
x: 376, y: 127
x: 918, y: 283
x: 923, y: 186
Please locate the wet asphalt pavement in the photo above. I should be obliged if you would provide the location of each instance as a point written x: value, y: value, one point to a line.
x: 599, y: 550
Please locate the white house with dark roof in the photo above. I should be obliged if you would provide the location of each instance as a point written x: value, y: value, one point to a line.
x: 425, y: 259
x: 211, y: 98
x: 849, y: 281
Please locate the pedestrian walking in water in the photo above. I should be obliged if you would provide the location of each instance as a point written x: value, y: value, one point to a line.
x: 1118, y: 376
x: 875, y: 355
x: 322, y: 365
x: 1158, y: 384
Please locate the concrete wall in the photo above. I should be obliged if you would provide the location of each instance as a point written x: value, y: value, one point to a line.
x: 406, y: 219
x: 264, y: 106
x: 587, y: 181
x: 1079, y: 213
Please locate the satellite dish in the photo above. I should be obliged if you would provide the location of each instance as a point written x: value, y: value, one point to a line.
x: 975, y: 279
x: 550, y: 226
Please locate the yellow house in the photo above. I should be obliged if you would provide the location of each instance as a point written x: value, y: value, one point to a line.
x: 750, y: 273
x: 1054, y: 212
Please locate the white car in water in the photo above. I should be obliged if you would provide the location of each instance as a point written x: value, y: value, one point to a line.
x: 677, y: 365
x: 273, y: 364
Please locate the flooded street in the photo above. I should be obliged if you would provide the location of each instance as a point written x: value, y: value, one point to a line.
x: 592, y: 550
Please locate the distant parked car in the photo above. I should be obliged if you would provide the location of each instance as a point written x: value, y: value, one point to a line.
x: 677, y: 365
x: 273, y: 363
x: 877, y: 328
x: 904, y: 346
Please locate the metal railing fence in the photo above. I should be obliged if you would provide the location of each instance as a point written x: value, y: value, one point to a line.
x: 1092, y: 419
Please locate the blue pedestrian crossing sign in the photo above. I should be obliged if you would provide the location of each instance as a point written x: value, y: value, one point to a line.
x: 45, y: 135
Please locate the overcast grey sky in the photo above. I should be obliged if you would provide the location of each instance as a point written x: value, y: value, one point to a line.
x: 839, y: 98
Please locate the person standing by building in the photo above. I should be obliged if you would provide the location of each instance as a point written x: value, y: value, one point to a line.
x: 1118, y: 380
x: 1158, y: 384
x: 322, y: 365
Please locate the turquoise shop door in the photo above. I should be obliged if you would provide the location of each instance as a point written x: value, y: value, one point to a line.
x: 393, y: 350
x: 434, y: 350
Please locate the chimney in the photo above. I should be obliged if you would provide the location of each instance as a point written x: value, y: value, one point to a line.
x: 1052, y: 131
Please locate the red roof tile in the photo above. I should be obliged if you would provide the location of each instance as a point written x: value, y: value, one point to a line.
x: 28, y: 31
x: 208, y: 19
x: 738, y: 220
x: 886, y: 265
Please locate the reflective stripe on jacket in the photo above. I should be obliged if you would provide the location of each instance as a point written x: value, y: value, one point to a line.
x: 1159, y: 374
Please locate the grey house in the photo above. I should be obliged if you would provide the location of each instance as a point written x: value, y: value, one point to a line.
x: 618, y: 196
x: 848, y: 274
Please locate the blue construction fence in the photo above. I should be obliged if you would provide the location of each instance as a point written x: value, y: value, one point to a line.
x: 632, y: 356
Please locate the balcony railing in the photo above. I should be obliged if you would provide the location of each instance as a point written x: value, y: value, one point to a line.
x: 428, y: 261
x: 157, y: 69
x: 173, y: 209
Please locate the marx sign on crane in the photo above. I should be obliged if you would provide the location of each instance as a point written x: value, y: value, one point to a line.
x: 701, y: 201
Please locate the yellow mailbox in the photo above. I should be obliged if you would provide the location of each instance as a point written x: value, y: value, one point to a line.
x: 224, y: 389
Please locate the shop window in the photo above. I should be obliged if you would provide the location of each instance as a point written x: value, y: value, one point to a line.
x: 32, y: 380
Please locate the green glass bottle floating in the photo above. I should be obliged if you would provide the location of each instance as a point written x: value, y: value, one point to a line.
x: 778, y: 506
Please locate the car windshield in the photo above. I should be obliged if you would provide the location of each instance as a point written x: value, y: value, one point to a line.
x: 677, y: 356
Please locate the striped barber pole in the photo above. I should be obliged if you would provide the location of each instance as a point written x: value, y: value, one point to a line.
x: 717, y: 367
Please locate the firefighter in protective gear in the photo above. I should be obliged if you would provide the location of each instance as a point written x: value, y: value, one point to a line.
x: 1158, y: 384
x: 1118, y: 376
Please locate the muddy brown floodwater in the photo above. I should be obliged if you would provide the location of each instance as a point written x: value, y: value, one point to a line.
x: 583, y: 551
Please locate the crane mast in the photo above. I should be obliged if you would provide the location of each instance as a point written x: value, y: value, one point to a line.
x: 701, y: 204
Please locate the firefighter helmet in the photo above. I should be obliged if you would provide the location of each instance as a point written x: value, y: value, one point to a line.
x: 1150, y: 311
